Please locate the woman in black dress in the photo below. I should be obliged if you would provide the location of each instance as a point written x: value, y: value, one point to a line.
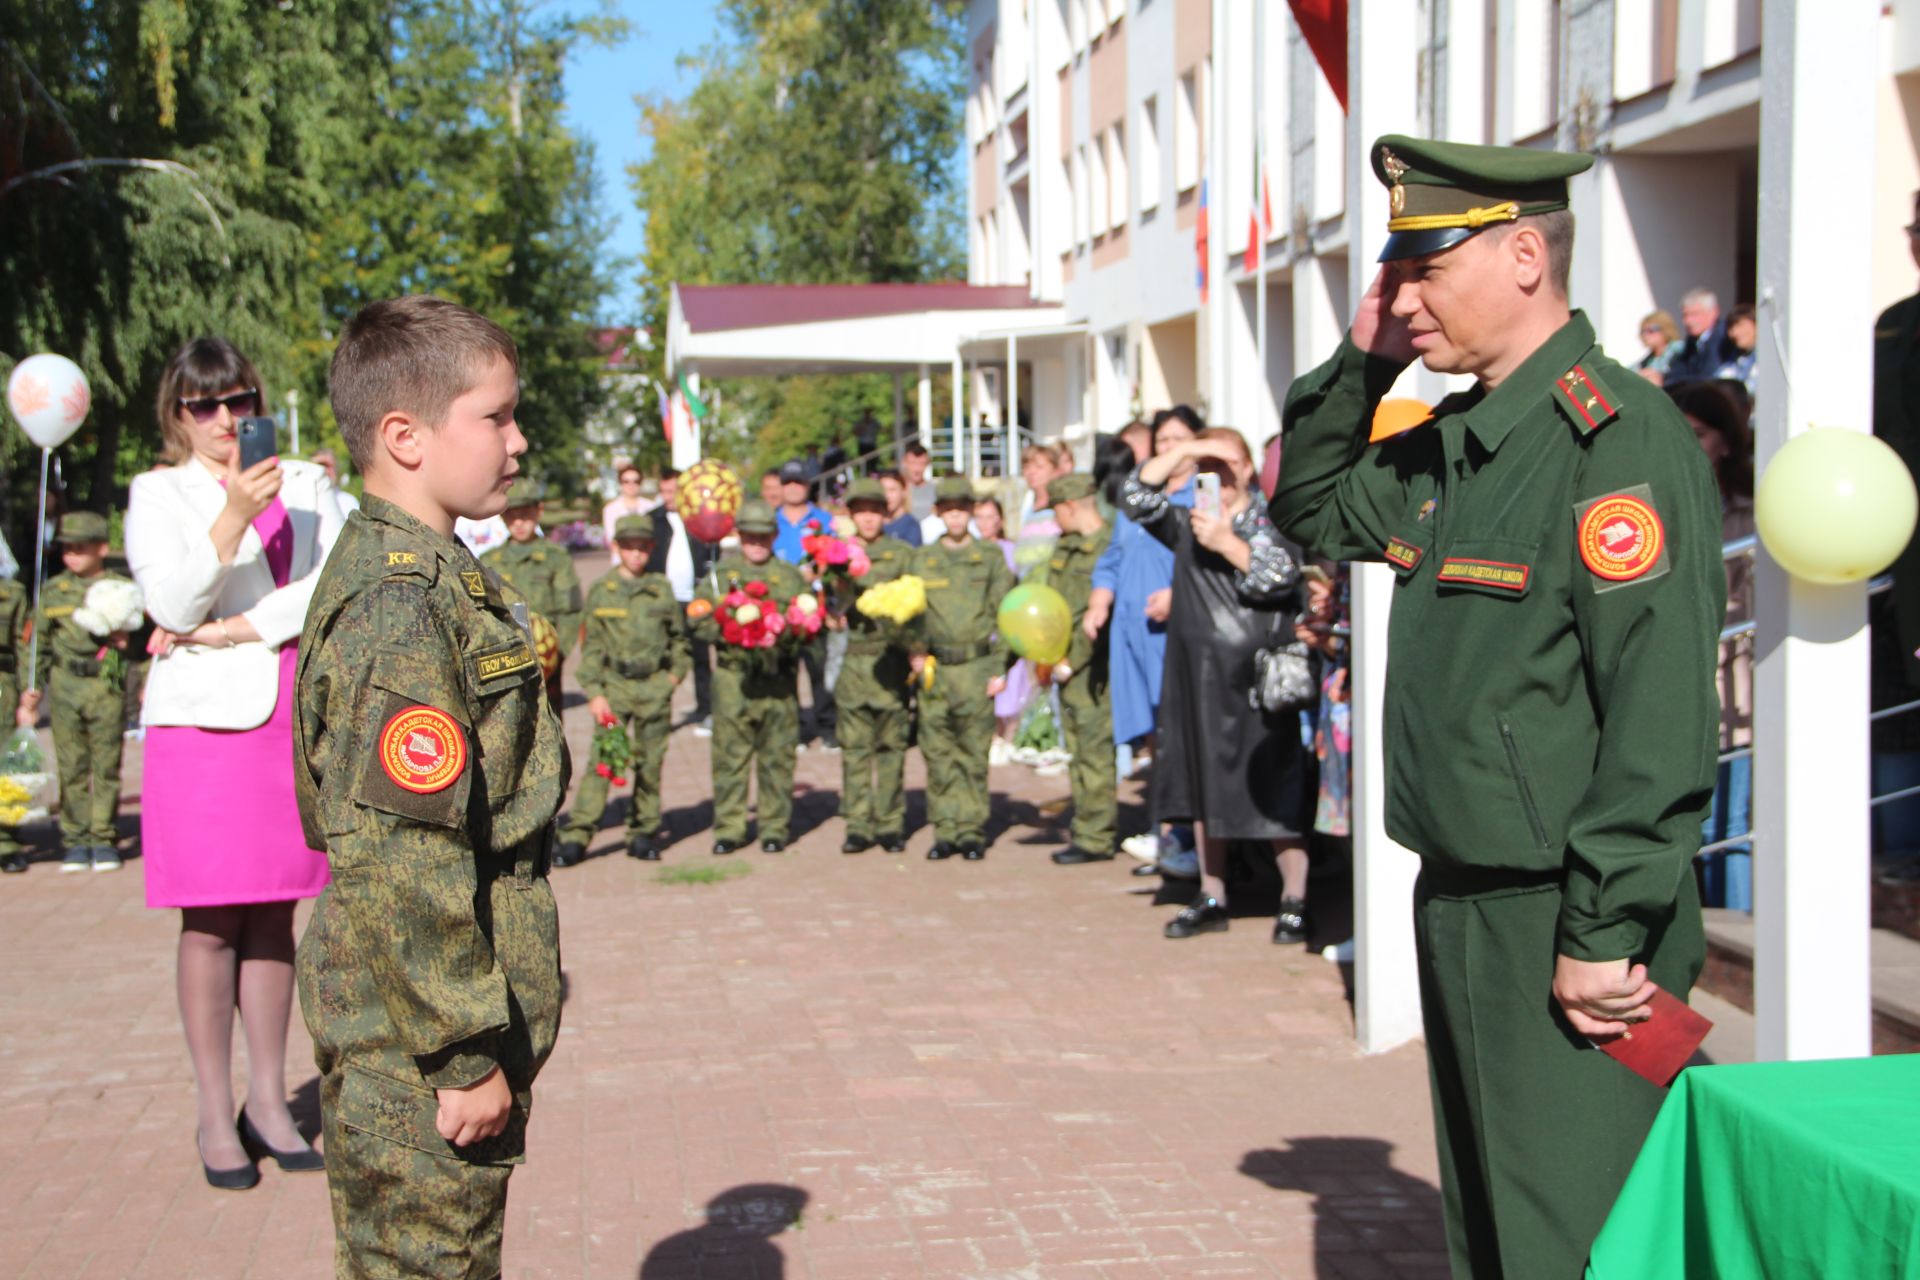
x: 1236, y: 771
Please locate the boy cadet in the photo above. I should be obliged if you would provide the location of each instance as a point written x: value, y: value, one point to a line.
x: 634, y: 657
x: 965, y: 580
x: 85, y: 687
x: 1551, y: 718
x: 756, y: 698
x: 1086, y: 705
x: 429, y: 766
x: 13, y: 626
x: 540, y: 571
x: 872, y: 693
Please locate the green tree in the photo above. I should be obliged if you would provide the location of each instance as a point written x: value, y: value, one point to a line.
x: 819, y: 146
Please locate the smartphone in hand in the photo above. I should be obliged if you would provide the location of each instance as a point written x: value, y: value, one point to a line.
x: 1206, y: 494
x: 258, y: 440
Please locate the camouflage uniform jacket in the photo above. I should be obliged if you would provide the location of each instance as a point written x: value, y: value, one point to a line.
x: 874, y: 673
x: 964, y: 586
x: 636, y: 647
x: 542, y: 572
x: 429, y: 766
x: 13, y: 629
x: 64, y: 642
x: 1069, y: 570
x: 754, y: 675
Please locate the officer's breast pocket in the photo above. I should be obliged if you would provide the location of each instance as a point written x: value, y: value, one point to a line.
x: 1501, y: 567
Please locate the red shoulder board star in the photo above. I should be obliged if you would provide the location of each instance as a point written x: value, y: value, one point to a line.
x: 422, y: 750
x: 1592, y: 407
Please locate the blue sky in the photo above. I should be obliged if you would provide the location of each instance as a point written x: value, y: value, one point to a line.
x: 601, y: 84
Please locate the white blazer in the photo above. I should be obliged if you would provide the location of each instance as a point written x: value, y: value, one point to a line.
x: 169, y: 516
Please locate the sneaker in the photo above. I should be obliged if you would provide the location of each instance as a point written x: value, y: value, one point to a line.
x: 1145, y: 847
x: 1001, y: 752
x: 1180, y: 864
x: 704, y: 729
x: 79, y: 858
x: 106, y: 858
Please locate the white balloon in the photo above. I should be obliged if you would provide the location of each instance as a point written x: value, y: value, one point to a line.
x: 49, y: 397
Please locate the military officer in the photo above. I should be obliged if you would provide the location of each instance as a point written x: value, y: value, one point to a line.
x: 1550, y: 713
x: 1086, y: 705
x: 965, y: 580
x: 429, y: 766
x: 756, y: 697
x: 13, y: 626
x: 635, y: 655
x: 85, y: 678
x: 541, y: 572
x: 872, y: 691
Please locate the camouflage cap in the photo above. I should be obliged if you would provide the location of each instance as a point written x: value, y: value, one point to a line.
x: 953, y: 489
x: 755, y: 516
x: 866, y: 490
x: 1443, y: 193
x: 1070, y: 487
x: 526, y: 492
x: 633, y: 527
x: 82, y: 526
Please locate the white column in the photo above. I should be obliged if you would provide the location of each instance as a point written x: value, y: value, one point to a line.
x: 926, y: 406
x: 1382, y: 55
x: 1811, y: 974
x: 959, y: 407
x: 1011, y: 416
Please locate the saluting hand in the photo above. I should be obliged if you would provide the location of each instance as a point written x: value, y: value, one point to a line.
x: 1376, y: 330
x: 476, y: 1111
x: 1602, y: 997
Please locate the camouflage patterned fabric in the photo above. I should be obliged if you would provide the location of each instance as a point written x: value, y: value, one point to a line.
x: 542, y: 572
x: 756, y: 709
x: 429, y: 766
x: 872, y: 697
x: 635, y: 655
x: 13, y: 622
x: 88, y: 711
x: 1086, y: 701
x: 964, y: 587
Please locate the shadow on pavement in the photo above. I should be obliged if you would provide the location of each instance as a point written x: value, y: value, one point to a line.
x: 1362, y: 1206
x: 736, y: 1239
x: 305, y: 1106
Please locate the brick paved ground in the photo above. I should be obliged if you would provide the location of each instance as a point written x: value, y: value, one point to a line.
x: 844, y: 1067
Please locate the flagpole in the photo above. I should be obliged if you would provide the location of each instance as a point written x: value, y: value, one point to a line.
x: 1259, y: 222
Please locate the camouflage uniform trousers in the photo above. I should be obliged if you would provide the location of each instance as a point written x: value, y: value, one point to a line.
x: 10, y: 698
x: 648, y: 724
x: 89, y: 717
x: 1086, y: 716
x: 873, y: 764
x: 746, y: 728
x: 956, y: 734
x: 406, y: 1202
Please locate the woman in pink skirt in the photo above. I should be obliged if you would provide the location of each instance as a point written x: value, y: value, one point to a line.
x: 227, y: 560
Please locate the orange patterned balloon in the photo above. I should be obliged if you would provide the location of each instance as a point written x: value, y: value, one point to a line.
x: 708, y: 499
x: 546, y: 644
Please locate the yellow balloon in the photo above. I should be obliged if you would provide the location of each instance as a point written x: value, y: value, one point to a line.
x: 1035, y: 622
x: 1835, y: 505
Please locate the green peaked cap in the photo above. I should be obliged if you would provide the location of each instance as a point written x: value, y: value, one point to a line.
x: 1443, y: 193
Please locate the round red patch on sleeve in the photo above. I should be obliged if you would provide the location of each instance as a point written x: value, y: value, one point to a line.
x: 422, y: 749
x: 1621, y: 538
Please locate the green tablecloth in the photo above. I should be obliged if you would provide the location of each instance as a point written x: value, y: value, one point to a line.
x: 1784, y: 1169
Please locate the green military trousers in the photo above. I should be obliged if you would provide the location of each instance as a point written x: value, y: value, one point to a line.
x: 10, y: 699
x: 956, y: 734
x: 747, y: 730
x: 1087, y: 726
x: 873, y: 763
x: 89, y: 718
x: 647, y: 730
x: 1536, y: 1128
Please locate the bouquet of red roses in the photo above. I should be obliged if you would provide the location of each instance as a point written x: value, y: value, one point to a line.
x: 835, y: 557
x: 612, y: 751
x: 750, y: 618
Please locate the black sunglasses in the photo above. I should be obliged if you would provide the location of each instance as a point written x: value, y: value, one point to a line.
x: 240, y: 404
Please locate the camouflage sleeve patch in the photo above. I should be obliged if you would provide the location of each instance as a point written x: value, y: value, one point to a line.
x: 417, y: 767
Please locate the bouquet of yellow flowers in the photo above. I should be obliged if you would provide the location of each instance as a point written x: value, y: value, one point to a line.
x: 898, y: 602
x: 26, y: 784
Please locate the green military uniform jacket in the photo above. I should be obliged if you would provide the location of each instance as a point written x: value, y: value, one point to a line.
x: 636, y: 648
x: 64, y: 643
x: 1896, y: 419
x: 1550, y: 696
x: 13, y: 636
x: 874, y: 673
x: 543, y: 574
x: 768, y: 674
x: 1069, y: 570
x: 429, y: 766
x: 964, y: 587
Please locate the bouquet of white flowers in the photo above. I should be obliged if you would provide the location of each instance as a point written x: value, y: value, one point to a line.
x: 112, y: 604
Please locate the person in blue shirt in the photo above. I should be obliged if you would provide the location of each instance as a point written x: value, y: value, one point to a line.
x: 901, y: 523
x: 796, y: 518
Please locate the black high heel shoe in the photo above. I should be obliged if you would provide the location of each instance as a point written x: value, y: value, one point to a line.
x: 308, y: 1161
x: 240, y: 1178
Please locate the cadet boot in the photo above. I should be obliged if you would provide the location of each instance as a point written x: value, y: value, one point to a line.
x: 942, y: 849
x: 1290, y: 923
x: 856, y: 843
x: 772, y: 846
x: 571, y: 853
x: 722, y: 847
x: 1073, y: 855
x: 893, y: 842
x: 13, y: 863
x: 972, y: 851
x: 106, y: 858
x: 1202, y: 915
x: 642, y: 847
x: 78, y: 858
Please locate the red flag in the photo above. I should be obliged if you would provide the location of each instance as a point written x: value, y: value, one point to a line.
x: 1260, y: 216
x: 1324, y: 24
x: 1200, y: 241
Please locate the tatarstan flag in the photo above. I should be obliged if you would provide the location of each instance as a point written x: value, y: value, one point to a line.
x: 1260, y: 216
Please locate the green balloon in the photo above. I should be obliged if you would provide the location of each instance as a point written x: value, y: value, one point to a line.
x: 1834, y: 505
x: 1035, y: 622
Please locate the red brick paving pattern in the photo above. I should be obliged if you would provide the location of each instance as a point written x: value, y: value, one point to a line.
x: 953, y: 1069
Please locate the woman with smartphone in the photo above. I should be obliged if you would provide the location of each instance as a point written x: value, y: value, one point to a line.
x: 1236, y: 771
x: 226, y: 544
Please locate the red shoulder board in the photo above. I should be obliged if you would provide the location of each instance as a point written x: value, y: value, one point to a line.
x: 1584, y: 400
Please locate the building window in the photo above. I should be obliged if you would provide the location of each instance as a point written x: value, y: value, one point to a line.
x: 1117, y: 194
x: 1147, y: 156
x: 1077, y: 25
x: 1097, y: 185
x: 1081, y: 220
x: 1187, y: 121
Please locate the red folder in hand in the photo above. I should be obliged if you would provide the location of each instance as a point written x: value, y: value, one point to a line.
x: 1656, y: 1049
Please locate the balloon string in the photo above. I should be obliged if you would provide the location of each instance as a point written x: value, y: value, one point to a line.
x: 39, y: 571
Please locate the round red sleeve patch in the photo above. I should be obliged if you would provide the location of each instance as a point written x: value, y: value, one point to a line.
x: 1621, y: 538
x: 422, y: 749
